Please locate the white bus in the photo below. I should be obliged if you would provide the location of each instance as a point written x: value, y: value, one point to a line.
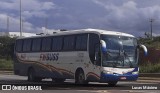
x: 86, y: 55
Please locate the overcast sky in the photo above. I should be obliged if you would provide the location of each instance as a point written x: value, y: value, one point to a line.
x: 130, y: 16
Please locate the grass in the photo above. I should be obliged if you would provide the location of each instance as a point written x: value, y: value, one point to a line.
x: 6, y: 64
x: 150, y: 68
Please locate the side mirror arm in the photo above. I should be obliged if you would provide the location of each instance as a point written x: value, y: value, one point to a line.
x: 144, y: 49
x: 103, y: 46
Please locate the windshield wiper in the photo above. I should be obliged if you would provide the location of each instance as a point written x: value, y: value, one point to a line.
x: 118, y: 58
x: 109, y: 54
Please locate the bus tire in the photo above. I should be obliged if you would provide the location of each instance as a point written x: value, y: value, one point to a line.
x: 38, y: 79
x: 32, y: 77
x: 80, y: 78
x: 58, y: 80
x: 112, y: 84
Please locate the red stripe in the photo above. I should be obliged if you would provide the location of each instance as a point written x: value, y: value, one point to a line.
x: 93, y: 74
x: 46, y: 66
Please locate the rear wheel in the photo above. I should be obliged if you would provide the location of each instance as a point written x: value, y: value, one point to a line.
x: 32, y: 77
x: 80, y: 78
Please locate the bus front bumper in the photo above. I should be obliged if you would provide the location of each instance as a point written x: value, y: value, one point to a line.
x: 118, y: 77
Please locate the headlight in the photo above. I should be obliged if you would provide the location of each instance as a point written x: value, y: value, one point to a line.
x: 107, y: 72
x: 135, y: 72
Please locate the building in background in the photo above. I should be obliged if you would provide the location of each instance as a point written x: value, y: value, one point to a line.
x: 16, y: 34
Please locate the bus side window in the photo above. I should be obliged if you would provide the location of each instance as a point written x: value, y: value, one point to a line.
x: 24, y: 44
x: 19, y: 45
x: 36, y: 44
x: 69, y: 43
x: 93, y: 43
x: 57, y: 43
x: 84, y: 42
x: 27, y: 45
x: 81, y: 42
x: 46, y: 44
x: 78, y: 42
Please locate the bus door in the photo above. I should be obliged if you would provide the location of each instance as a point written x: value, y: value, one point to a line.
x: 95, y: 57
x: 97, y: 62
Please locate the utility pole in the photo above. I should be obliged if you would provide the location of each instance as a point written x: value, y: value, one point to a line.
x: 46, y: 25
x: 151, y: 22
x: 8, y: 24
x: 20, y: 19
x: 22, y: 24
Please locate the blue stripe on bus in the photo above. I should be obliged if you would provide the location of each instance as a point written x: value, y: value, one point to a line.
x: 112, y: 77
x: 117, y: 77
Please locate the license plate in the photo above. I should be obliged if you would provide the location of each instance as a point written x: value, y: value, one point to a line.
x: 123, y: 78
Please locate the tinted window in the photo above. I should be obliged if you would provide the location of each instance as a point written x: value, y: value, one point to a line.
x: 27, y: 45
x: 19, y: 45
x: 36, y: 44
x: 93, y: 42
x: 57, y: 43
x: 69, y: 43
x: 81, y: 42
x: 46, y: 44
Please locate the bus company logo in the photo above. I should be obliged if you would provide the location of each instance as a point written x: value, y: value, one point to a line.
x: 49, y: 57
x: 6, y: 87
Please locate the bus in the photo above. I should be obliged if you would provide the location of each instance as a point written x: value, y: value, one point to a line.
x: 85, y: 55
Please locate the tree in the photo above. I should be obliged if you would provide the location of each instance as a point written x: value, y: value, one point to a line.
x: 6, y: 47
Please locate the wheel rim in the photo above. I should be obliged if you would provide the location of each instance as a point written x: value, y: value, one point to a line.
x: 81, y: 78
x: 31, y: 76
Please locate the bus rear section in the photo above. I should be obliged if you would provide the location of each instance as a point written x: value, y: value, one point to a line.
x: 57, y: 57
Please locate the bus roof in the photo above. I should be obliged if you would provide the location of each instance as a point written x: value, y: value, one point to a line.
x: 107, y: 32
x: 80, y: 31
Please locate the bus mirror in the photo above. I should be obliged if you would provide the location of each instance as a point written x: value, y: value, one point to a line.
x: 144, y: 49
x: 103, y: 46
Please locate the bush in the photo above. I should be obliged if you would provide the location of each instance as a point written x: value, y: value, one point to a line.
x: 6, y: 64
x: 150, y: 68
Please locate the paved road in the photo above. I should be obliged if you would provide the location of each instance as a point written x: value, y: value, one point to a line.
x: 70, y: 87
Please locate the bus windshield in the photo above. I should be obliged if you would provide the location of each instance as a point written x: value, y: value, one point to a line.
x: 121, y: 51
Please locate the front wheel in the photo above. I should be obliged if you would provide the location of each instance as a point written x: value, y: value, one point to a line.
x: 112, y: 84
x: 80, y: 78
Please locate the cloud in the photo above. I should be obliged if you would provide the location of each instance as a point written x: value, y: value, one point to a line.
x: 33, y: 5
x: 28, y: 14
x: 14, y: 24
x: 128, y: 16
x: 30, y: 8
